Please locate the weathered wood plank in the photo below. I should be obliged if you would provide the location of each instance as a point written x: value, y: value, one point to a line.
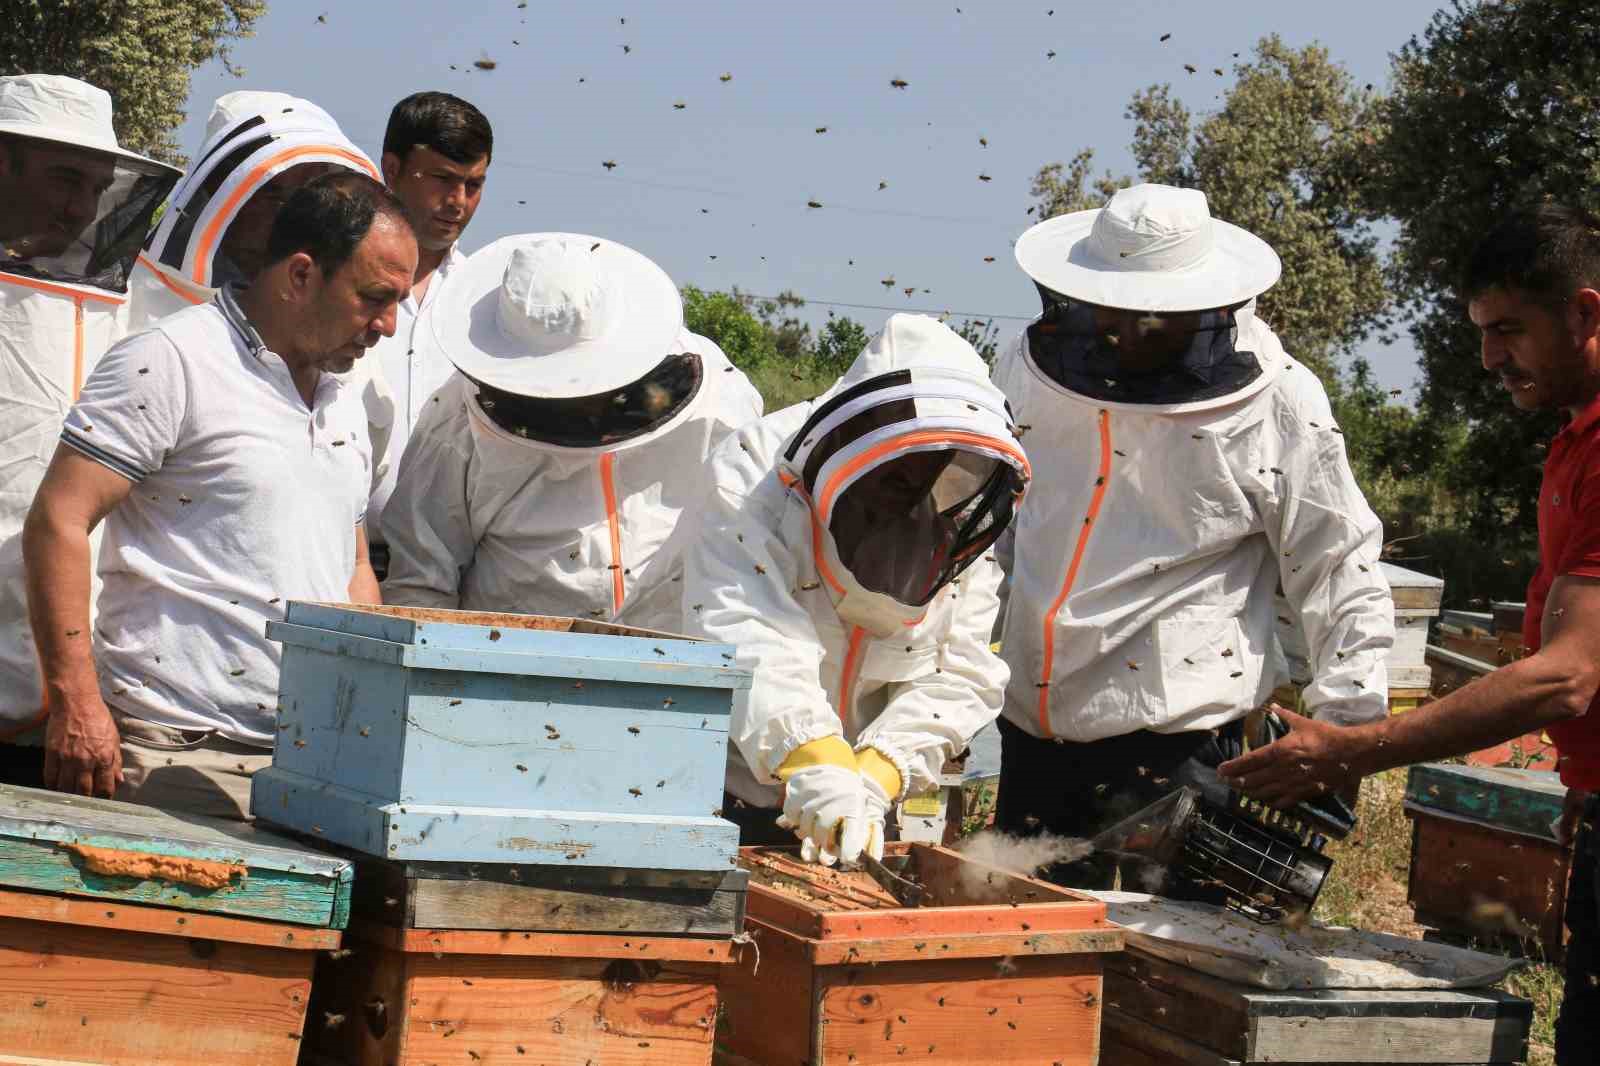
x: 286, y: 897
x: 43, y: 835
x: 1251, y: 1025
x: 559, y: 945
x: 965, y: 946
x: 165, y: 921
x: 1521, y: 801
x: 1146, y: 1042
x: 74, y: 994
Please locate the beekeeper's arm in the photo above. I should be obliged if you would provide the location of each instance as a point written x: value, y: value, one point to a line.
x: 128, y: 418
x: 737, y: 578
x: 427, y: 522
x: 935, y: 716
x: 1327, y: 542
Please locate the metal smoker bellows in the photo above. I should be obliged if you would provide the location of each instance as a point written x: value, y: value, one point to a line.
x: 1263, y: 863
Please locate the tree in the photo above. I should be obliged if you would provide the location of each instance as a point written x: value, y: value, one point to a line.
x: 1493, y: 105
x: 725, y: 318
x: 841, y: 339
x: 140, y: 51
x: 1279, y: 159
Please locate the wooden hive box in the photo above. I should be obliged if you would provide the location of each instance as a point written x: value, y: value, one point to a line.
x: 455, y: 736
x: 415, y: 997
x: 130, y: 936
x: 993, y: 968
x: 1485, y: 862
x: 1451, y: 671
x: 1159, y: 1012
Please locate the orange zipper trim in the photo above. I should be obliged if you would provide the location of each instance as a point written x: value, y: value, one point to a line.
x: 793, y: 484
x: 911, y: 440
x: 61, y: 290
x: 172, y: 287
x: 248, y: 188
x: 77, y: 347
x: 1072, y: 575
x: 848, y: 674
x: 608, y: 485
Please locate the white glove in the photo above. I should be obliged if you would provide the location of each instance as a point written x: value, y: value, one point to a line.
x: 825, y: 806
x: 875, y: 808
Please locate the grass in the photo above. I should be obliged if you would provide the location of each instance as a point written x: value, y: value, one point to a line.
x: 782, y: 384
x: 1367, y: 890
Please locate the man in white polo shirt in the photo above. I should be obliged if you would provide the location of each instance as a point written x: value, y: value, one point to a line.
x: 232, y: 465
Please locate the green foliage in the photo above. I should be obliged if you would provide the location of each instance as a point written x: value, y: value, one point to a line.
x: 763, y: 337
x: 726, y: 319
x: 838, y: 344
x: 139, y: 51
x: 983, y: 335
x: 1494, y: 104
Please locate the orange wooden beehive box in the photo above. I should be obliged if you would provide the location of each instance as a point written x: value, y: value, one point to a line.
x: 991, y: 968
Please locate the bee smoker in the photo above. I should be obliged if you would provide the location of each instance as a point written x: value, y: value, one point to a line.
x: 1261, y: 862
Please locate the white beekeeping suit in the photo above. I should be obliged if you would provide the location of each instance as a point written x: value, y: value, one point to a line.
x: 65, y: 251
x: 1144, y: 568
x: 548, y: 474
x: 869, y: 641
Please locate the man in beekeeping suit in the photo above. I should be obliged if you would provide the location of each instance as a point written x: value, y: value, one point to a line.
x: 1188, y: 467
x: 843, y: 548
x: 258, y: 149
x: 546, y: 476
x: 74, y: 206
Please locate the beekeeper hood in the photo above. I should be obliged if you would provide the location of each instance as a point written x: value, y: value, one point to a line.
x: 74, y: 204
x: 1150, y: 301
x: 571, y: 340
x: 911, y: 471
x: 251, y: 138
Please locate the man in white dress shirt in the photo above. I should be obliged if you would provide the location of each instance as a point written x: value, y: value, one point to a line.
x: 436, y: 153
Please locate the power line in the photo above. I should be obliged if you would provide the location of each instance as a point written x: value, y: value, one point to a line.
x: 892, y: 307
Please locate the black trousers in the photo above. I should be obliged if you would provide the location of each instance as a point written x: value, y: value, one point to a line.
x: 22, y: 764
x: 758, y: 826
x: 1076, y: 790
x: 1578, y: 1027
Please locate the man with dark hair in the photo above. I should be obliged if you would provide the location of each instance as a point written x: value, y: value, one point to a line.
x: 436, y: 154
x: 1532, y: 288
x: 228, y: 456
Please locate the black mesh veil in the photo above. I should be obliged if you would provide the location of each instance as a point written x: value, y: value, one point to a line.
x: 86, y: 213
x: 1072, y: 350
x: 603, y: 419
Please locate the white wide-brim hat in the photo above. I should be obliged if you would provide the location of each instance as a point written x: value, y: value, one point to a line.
x: 1151, y: 248
x: 63, y: 110
x: 557, y: 315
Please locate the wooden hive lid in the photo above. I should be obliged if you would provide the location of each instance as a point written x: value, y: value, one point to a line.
x: 78, y: 846
x: 486, y: 642
x: 1521, y: 801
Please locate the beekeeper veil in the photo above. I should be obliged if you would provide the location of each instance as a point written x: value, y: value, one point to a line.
x: 74, y: 205
x: 911, y: 471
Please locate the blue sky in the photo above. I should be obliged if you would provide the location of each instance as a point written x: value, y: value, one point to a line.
x: 729, y: 175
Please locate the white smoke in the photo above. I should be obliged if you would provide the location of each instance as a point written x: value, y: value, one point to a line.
x: 1024, y: 856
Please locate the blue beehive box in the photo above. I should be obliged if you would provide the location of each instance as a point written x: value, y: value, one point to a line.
x: 457, y: 736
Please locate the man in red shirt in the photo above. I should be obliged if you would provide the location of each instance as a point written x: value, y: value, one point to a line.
x: 1533, y: 290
